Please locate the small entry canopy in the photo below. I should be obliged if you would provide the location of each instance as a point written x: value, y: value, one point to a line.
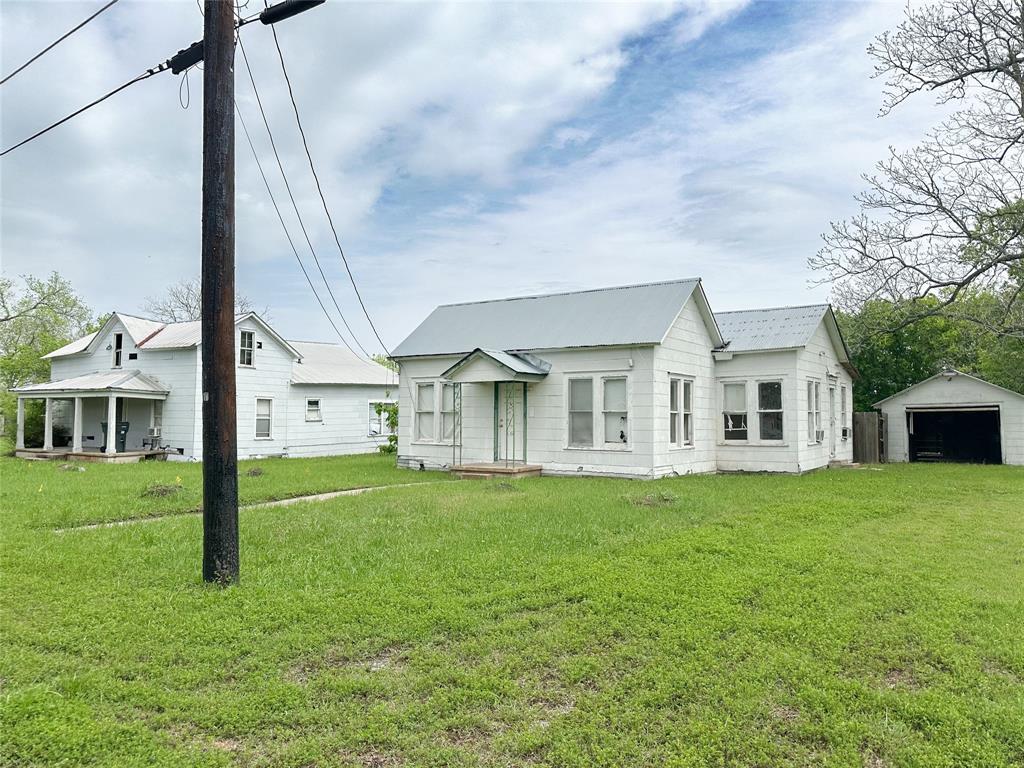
x: 490, y: 365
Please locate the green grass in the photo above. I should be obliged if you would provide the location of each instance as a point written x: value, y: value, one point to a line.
x: 853, y: 617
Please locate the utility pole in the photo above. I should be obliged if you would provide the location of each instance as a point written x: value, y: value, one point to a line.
x: 220, y: 405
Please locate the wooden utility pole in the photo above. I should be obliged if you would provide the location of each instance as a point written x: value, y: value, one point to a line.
x: 220, y: 422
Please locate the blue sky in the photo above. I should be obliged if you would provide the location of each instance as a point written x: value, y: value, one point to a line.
x: 468, y: 150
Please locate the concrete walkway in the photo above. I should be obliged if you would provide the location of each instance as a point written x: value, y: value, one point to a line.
x: 261, y: 505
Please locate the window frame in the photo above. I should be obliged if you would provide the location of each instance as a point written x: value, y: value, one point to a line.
x: 844, y: 431
x: 319, y: 409
x: 682, y: 417
x: 616, y: 444
x: 745, y: 413
x: 156, y: 414
x: 569, y: 411
x: 814, y: 412
x: 418, y: 412
x: 242, y: 349
x: 256, y: 419
x: 118, y: 356
x: 371, y: 406
x: 441, y: 436
x: 781, y: 410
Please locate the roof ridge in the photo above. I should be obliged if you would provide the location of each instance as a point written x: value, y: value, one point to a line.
x: 825, y: 305
x: 137, y: 317
x: 573, y: 293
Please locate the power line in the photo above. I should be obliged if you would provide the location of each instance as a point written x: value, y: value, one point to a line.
x: 59, y: 40
x: 145, y: 75
x: 291, y: 196
x: 323, y: 200
x: 284, y: 226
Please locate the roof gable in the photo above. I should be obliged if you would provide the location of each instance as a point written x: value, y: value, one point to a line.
x: 631, y: 314
x: 138, y: 329
x: 949, y: 374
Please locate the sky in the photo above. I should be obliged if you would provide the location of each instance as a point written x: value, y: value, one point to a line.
x: 467, y: 151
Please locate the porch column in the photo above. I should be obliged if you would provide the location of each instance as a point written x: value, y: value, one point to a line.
x: 111, y: 425
x: 20, y: 442
x: 48, y: 426
x: 76, y: 433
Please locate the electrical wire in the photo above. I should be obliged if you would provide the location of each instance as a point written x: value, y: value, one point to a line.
x: 284, y: 226
x: 58, y: 41
x: 291, y: 196
x: 323, y: 200
x: 145, y: 75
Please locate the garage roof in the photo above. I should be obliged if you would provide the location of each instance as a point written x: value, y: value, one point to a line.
x: 949, y: 373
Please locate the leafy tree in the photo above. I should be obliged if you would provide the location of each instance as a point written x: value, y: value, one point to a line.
x: 391, y: 420
x: 36, y: 317
x: 944, y: 220
x: 183, y: 301
x: 386, y: 361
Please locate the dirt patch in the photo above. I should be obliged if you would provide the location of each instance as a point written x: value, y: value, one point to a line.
x: 552, y: 708
x: 899, y: 677
x: 506, y: 486
x: 159, y: 491
x: 255, y: 472
x: 227, y: 745
x: 998, y: 669
x: 785, y: 713
x: 871, y: 759
x: 391, y: 657
x: 373, y: 758
x: 71, y: 468
x: 660, y: 499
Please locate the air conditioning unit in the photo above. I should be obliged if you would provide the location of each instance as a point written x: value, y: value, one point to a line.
x: 154, y: 431
x: 846, y: 433
x: 820, y: 435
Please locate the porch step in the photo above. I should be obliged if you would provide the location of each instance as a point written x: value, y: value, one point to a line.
x: 484, y: 471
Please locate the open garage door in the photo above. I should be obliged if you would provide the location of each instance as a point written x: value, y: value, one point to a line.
x: 965, y: 435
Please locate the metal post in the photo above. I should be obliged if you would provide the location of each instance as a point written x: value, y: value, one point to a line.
x: 20, y: 438
x: 111, y: 436
x: 48, y: 426
x: 526, y: 414
x: 76, y: 430
x: 220, y: 425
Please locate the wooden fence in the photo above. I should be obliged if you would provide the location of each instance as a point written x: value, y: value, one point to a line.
x: 868, y: 438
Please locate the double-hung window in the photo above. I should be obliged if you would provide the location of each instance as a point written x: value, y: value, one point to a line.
x: 616, y: 411
x: 264, y: 418
x: 813, y: 412
x: 844, y: 428
x: 769, y: 410
x: 156, y: 418
x: 379, y: 419
x: 313, y: 412
x: 246, y: 348
x: 581, y: 413
x: 425, y: 412
x: 447, y: 412
x: 118, y: 349
x: 680, y: 412
x: 734, y: 410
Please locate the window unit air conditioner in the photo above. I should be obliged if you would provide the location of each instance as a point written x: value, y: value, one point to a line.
x: 846, y: 433
x: 154, y: 431
x: 819, y: 435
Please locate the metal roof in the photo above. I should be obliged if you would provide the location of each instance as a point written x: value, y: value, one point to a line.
x: 114, y: 381
x: 333, y: 364
x: 521, y: 364
x: 753, y: 330
x: 139, y: 328
x: 631, y: 314
x: 950, y: 374
x: 73, y: 347
x: 176, y: 335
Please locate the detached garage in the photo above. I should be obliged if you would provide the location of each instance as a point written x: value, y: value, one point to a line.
x: 955, y: 417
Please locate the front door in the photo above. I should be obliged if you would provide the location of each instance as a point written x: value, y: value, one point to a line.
x: 832, y: 422
x: 510, y: 422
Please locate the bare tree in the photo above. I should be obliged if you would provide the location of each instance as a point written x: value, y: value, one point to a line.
x: 183, y: 301
x: 946, y: 218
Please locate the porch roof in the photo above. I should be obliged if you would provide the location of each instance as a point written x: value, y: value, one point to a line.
x: 133, y: 383
x: 497, y: 365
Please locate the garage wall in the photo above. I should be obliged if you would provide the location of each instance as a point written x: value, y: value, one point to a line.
x: 955, y: 391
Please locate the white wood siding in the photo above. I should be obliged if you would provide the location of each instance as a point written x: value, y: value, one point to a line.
x: 344, y: 423
x: 818, y: 361
x: 960, y: 391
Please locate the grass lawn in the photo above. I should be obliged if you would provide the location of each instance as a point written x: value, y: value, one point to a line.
x: 852, y: 617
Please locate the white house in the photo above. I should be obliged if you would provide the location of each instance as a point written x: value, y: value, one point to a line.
x: 294, y: 398
x: 634, y: 381
x: 954, y: 417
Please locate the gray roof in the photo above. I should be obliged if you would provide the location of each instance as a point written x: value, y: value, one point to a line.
x: 752, y: 330
x: 334, y: 364
x: 113, y: 381
x: 949, y: 373
x: 522, y: 363
x: 632, y: 314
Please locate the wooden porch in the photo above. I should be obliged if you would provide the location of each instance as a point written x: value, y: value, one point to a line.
x: 488, y: 470
x: 97, y: 457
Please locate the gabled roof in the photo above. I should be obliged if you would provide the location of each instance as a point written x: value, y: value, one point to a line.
x: 521, y: 366
x: 949, y: 373
x: 625, y: 315
x: 333, y: 364
x: 152, y: 334
x: 113, y: 381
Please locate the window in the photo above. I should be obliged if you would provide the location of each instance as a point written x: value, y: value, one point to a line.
x: 842, y: 412
x: 379, y: 421
x: 581, y: 412
x: 313, y: 409
x: 734, y: 410
x: 769, y: 410
x: 118, y: 349
x: 813, y: 411
x: 264, y: 417
x: 424, y: 411
x: 246, y: 349
x: 616, y: 411
x: 447, y: 411
x: 680, y: 411
x: 157, y: 416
